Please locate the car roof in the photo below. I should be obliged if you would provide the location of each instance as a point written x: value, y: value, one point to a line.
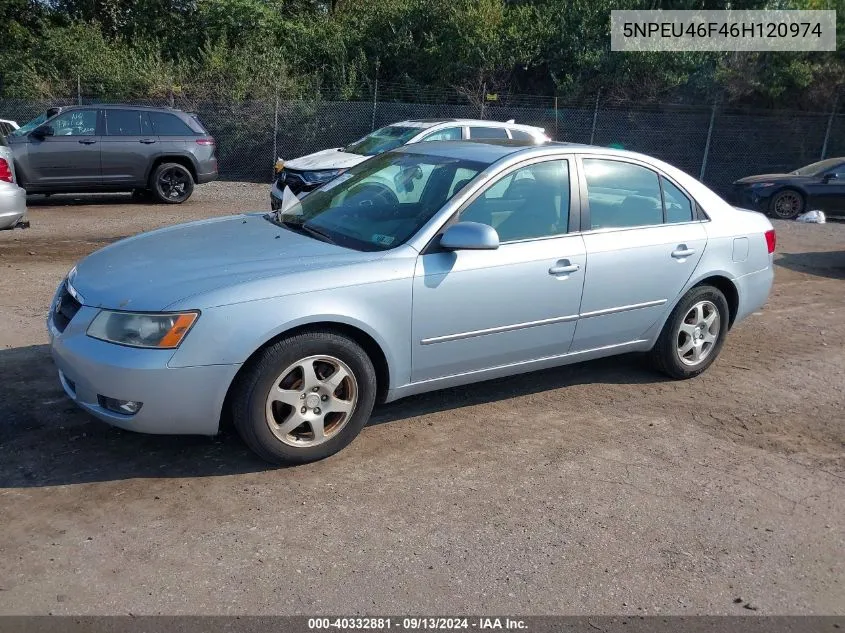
x: 122, y: 106
x: 428, y: 123
x: 486, y: 150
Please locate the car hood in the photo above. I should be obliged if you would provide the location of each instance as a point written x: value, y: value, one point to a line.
x: 327, y: 159
x: 749, y: 180
x: 154, y: 270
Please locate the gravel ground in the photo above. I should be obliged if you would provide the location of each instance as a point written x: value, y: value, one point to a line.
x: 596, y: 488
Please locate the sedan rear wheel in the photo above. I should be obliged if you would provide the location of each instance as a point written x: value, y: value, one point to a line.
x: 304, y: 398
x: 693, y: 334
x: 787, y: 204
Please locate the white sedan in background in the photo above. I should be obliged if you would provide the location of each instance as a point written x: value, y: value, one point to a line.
x: 304, y: 174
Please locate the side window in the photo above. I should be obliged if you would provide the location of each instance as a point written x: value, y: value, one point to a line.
x: 678, y: 206
x: 488, y: 132
x: 529, y: 203
x: 622, y: 194
x: 165, y: 124
x: 146, y: 126
x: 123, y: 123
x: 75, y: 123
x: 521, y: 135
x: 449, y: 134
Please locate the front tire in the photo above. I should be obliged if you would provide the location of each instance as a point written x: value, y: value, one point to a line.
x: 693, y: 334
x: 172, y: 183
x: 787, y: 204
x: 304, y: 398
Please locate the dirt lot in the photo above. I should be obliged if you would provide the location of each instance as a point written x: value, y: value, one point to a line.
x: 598, y: 488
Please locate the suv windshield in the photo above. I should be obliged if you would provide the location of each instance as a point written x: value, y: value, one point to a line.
x: 383, y: 140
x: 380, y: 203
x: 28, y: 127
x: 815, y: 169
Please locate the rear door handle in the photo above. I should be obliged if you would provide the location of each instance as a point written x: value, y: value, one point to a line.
x: 563, y: 267
x: 682, y: 251
x: 87, y: 141
x: 147, y: 141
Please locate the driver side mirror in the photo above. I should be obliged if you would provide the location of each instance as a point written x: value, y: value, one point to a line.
x: 829, y: 177
x: 470, y: 236
x: 43, y: 130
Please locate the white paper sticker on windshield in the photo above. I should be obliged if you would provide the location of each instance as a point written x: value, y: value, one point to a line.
x: 334, y: 183
x: 384, y: 240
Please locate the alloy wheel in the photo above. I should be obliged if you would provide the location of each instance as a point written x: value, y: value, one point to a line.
x: 698, y: 333
x: 311, y: 401
x: 173, y: 183
x: 787, y: 205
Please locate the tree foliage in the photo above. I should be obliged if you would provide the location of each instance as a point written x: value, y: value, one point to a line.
x: 242, y: 49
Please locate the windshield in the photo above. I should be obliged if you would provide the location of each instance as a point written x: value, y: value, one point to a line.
x: 816, y: 169
x: 380, y: 203
x: 28, y: 127
x: 383, y: 140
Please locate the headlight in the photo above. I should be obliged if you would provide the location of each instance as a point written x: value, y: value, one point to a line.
x: 136, y: 329
x: 322, y: 176
x: 278, y: 166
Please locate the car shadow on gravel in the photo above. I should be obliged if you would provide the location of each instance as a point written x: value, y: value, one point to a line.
x: 829, y: 264
x: 46, y: 440
x: 75, y: 199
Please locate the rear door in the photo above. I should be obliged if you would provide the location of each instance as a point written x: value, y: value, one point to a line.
x: 128, y: 147
x: 71, y: 157
x: 641, y: 251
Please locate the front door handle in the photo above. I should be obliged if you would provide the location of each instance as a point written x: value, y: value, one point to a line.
x: 147, y: 141
x: 682, y: 251
x: 563, y: 267
x: 87, y: 141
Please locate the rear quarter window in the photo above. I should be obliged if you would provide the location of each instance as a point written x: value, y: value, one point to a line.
x: 166, y: 124
x: 521, y: 135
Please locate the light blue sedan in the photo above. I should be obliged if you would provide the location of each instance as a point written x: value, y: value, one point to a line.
x: 434, y: 265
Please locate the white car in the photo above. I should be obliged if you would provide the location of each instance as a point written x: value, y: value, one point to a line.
x: 302, y: 175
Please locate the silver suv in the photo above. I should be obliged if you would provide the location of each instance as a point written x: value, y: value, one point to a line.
x: 114, y: 148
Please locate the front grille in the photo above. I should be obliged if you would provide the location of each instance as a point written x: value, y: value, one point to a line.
x: 65, y: 309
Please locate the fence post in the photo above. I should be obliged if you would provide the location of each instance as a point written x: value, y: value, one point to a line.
x: 79, y: 90
x: 595, y: 116
x: 556, y: 136
x: 829, y: 124
x: 707, y: 143
x: 483, y: 99
x: 275, y: 135
x: 170, y: 96
x: 375, y: 101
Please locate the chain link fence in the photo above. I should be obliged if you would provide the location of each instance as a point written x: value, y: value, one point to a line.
x: 715, y: 144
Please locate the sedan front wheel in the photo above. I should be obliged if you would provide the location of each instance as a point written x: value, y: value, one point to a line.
x: 305, y: 397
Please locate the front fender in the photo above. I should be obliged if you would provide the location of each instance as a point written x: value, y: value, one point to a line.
x: 230, y: 334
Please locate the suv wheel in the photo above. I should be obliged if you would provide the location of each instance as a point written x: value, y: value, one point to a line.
x: 172, y: 183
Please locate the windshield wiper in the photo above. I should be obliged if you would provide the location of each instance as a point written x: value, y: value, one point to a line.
x: 318, y: 232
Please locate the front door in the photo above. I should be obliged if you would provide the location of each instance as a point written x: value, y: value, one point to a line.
x: 68, y: 158
x: 643, y: 242
x: 475, y: 310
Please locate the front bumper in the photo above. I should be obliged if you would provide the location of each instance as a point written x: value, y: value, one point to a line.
x: 184, y: 400
x: 276, y: 195
x: 750, y: 197
x: 12, y: 205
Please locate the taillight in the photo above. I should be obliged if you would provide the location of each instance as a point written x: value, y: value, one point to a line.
x: 5, y: 170
x: 771, y: 240
x: 205, y: 141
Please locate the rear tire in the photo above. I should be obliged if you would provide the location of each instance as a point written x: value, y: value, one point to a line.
x: 171, y: 183
x: 693, y: 334
x: 290, y: 414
